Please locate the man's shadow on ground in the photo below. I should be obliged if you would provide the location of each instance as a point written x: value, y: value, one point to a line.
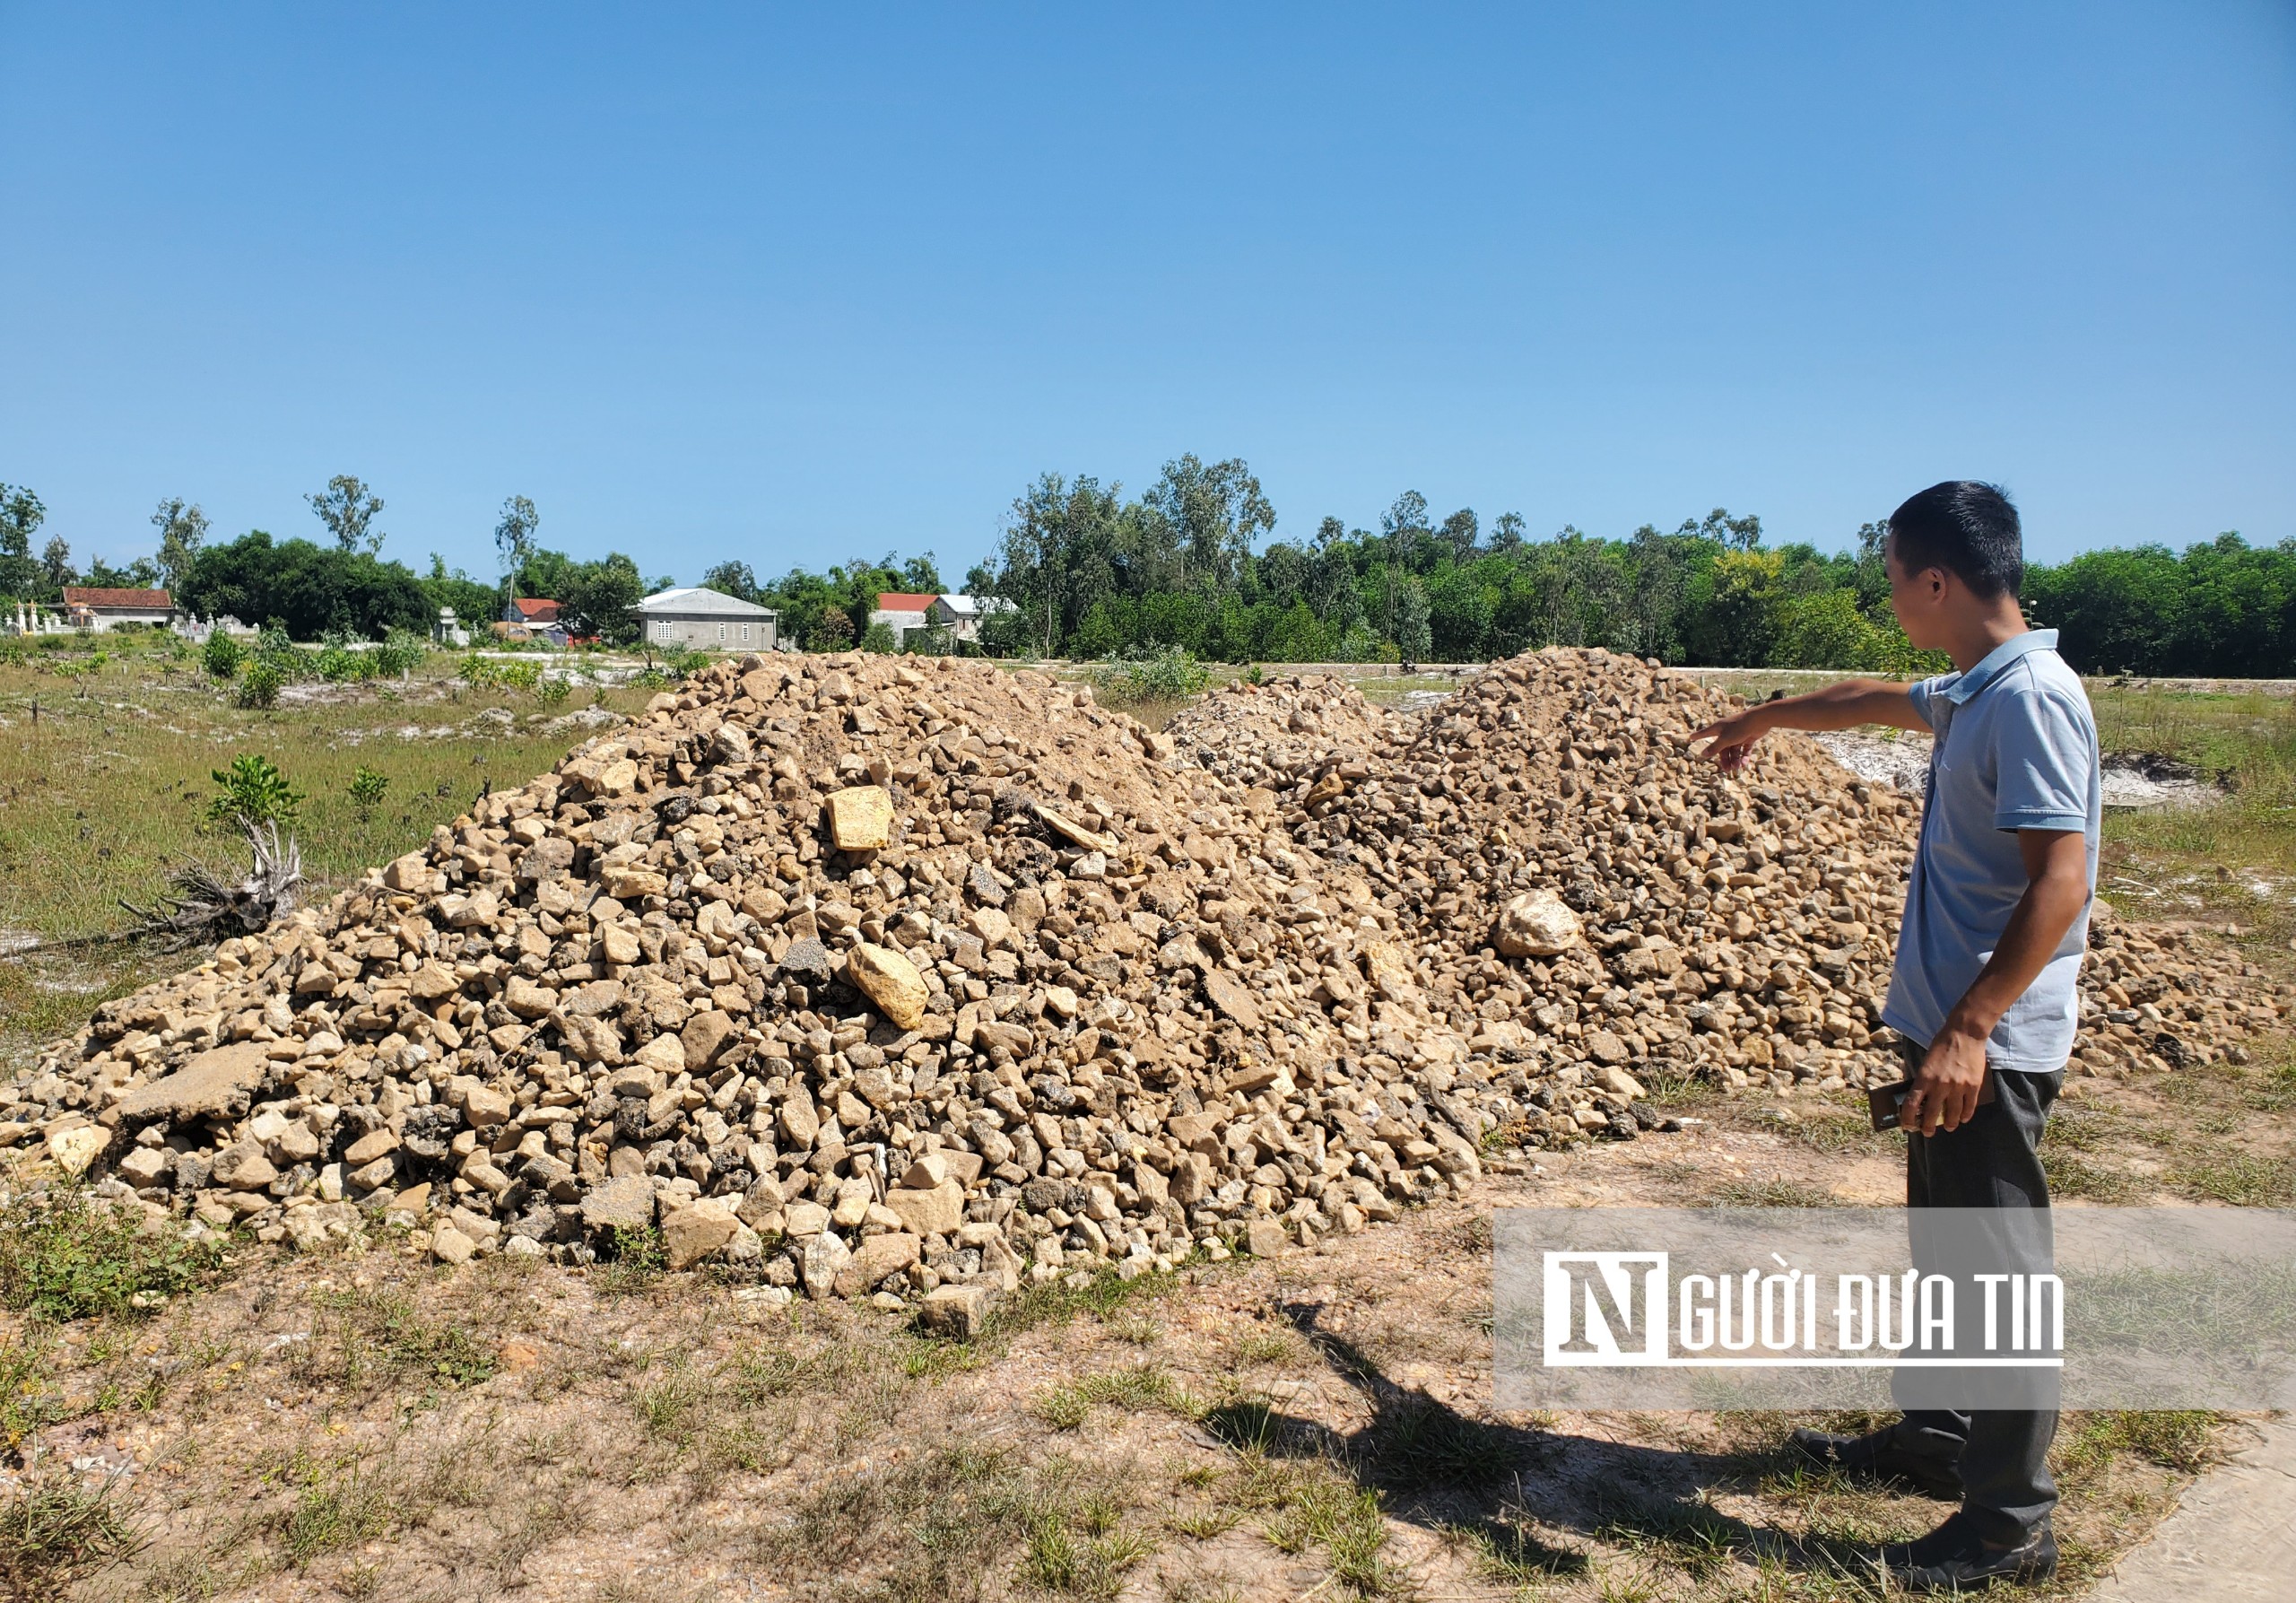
x: 1450, y: 1473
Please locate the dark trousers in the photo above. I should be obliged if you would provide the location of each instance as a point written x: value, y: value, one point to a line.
x: 1991, y: 1162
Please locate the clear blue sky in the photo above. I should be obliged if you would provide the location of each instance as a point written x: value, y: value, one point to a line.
x: 794, y: 285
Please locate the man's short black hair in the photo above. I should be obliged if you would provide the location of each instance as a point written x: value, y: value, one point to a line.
x: 1967, y: 528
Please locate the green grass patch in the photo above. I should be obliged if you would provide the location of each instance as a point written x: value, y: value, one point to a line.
x: 1133, y: 1388
x: 68, y: 1258
x: 57, y: 1530
x: 2071, y: 1174
x: 2240, y: 1179
x: 337, y: 1504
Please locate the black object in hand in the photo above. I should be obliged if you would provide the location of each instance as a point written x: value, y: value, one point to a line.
x: 1886, y: 1103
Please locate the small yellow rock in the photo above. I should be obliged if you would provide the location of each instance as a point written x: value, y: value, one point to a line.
x: 861, y: 818
x: 889, y: 981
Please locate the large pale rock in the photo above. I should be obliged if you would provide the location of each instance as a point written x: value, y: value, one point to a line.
x: 414, y: 874
x: 877, y: 1256
x: 1618, y: 1082
x: 861, y: 818
x: 624, y: 1204
x: 244, y: 1168
x: 665, y: 1055
x: 1537, y: 923
x: 821, y: 1260
x: 889, y: 981
x: 371, y: 1147
x: 934, y: 1210
x: 800, y: 1120
x: 959, y: 1312
x: 73, y: 1150
x: 214, y: 1085
x: 528, y: 1000
x: 1090, y: 839
x: 617, y: 777
x: 693, y: 1232
x: 1226, y: 993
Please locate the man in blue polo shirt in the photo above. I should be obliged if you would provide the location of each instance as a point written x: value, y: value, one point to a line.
x: 1985, y: 990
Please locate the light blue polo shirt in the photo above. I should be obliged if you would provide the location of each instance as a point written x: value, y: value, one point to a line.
x: 2016, y: 749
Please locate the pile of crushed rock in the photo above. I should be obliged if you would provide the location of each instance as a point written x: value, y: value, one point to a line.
x: 1596, y: 896
x: 919, y: 978
x: 878, y: 977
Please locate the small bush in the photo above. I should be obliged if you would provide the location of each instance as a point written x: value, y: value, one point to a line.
x: 273, y: 646
x: 879, y: 638
x: 368, y: 788
x: 260, y: 688
x: 552, y: 691
x: 70, y: 1259
x: 252, y: 788
x: 341, y: 662
x: 222, y: 656
x: 401, y: 652
x: 1166, y: 674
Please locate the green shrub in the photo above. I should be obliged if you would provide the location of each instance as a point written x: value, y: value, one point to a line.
x: 339, y: 665
x: 259, y: 687
x: 222, y: 656
x: 401, y: 652
x: 253, y: 790
x: 368, y: 788
x: 517, y: 676
x: 1168, y: 673
x: 879, y: 638
x: 71, y: 1260
x: 552, y: 691
x: 476, y: 672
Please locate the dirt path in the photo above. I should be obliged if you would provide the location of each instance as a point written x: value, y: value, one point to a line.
x: 2232, y: 1540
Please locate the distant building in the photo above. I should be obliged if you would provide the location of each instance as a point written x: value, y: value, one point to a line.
x: 92, y: 608
x: 900, y: 614
x: 524, y: 619
x: 448, y: 630
x: 961, y: 615
x: 708, y: 621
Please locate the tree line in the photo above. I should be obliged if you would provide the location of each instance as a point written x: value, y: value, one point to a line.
x: 1191, y: 563
x: 1095, y: 574
x: 340, y: 585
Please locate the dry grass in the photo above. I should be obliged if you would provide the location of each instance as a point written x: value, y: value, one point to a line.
x: 105, y: 793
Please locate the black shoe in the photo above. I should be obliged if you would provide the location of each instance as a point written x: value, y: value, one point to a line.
x: 1952, y: 1558
x: 1878, y: 1457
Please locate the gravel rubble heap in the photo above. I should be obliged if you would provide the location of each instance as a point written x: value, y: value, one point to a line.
x: 880, y: 977
x: 919, y: 979
x: 1274, y: 733
x: 1588, y: 886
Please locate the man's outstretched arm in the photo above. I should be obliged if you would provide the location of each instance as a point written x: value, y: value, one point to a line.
x: 1842, y: 706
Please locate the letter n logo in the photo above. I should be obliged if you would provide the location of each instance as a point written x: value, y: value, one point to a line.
x: 1606, y: 1309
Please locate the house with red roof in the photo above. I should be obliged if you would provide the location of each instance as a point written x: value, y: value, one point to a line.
x: 92, y: 607
x: 538, y: 618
